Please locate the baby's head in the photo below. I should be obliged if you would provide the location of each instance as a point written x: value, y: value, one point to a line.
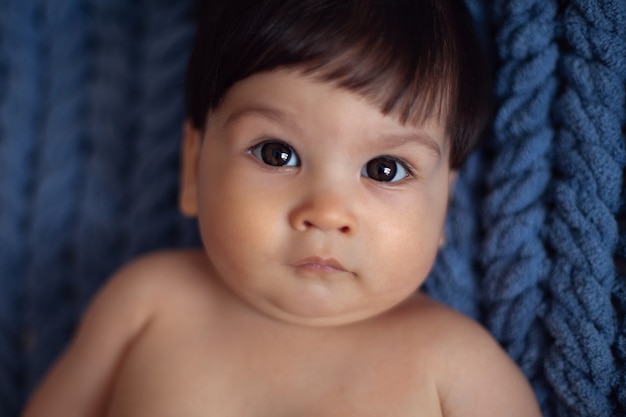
x: 321, y: 141
x: 413, y: 59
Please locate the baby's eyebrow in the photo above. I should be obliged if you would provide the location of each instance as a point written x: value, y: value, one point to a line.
x: 390, y: 140
x: 263, y: 111
x: 420, y: 138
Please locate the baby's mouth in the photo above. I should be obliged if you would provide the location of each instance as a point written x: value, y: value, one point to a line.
x: 320, y: 265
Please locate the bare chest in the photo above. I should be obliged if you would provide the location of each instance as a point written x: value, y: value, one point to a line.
x: 178, y: 370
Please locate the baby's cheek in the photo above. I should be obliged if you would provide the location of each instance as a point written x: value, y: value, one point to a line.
x: 412, y: 249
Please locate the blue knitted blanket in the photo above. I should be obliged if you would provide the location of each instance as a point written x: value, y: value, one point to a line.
x: 90, y: 125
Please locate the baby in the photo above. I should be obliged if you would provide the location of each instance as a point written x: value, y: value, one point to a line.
x: 321, y: 143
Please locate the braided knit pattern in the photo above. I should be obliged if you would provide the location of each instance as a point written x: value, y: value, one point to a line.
x: 583, y: 232
x: 20, y: 109
x: 108, y: 149
x: 514, y: 209
x: 90, y: 116
x: 49, y: 311
x: 619, y: 300
x: 154, y: 177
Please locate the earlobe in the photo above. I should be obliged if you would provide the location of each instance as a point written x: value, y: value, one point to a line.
x: 190, y: 156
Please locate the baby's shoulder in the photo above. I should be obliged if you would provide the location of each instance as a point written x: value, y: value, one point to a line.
x: 472, y: 371
x: 449, y: 338
x: 156, y: 280
x: 445, y: 329
x: 164, y: 269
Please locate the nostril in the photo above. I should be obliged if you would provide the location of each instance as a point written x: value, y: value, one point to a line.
x: 310, y: 225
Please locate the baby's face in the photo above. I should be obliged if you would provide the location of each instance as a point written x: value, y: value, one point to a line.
x: 314, y: 207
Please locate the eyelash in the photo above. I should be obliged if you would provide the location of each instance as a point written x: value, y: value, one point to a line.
x: 387, y: 165
x: 283, y: 155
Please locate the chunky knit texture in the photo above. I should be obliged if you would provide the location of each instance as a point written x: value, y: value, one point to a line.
x: 90, y: 126
x: 589, y: 116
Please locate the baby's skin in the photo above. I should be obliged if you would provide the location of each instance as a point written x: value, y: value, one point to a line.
x: 320, y: 218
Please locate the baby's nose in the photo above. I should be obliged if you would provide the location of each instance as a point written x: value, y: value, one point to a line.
x: 324, y: 210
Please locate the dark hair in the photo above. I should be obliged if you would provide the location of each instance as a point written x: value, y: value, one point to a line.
x: 413, y: 58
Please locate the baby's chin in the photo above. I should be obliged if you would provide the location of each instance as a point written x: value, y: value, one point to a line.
x: 317, y: 312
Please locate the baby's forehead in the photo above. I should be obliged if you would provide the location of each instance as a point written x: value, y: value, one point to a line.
x: 299, y: 101
x: 425, y: 115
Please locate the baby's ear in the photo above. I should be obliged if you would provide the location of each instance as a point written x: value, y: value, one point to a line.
x: 190, y: 156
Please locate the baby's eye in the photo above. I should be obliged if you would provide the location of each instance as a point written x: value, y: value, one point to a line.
x: 385, y: 169
x: 277, y: 154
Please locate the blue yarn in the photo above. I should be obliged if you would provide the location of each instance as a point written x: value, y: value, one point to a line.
x: 108, y: 149
x: 153, y: 218
x: 19, y: 113
x: 620, y: 342
x: 580, y: 364
x: 514, y: 210
x: 49, y: 308
x: 453, y: 279
x: 619, y: 301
